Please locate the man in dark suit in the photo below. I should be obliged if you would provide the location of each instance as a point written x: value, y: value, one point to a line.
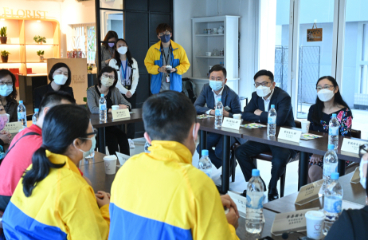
x: 230, y: 100
x: 266, y: 94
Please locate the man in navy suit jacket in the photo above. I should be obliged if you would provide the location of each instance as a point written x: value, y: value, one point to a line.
x: 230, y: 100
x: 266, y: 94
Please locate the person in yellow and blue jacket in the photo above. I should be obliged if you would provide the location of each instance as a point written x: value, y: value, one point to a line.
x: 166, y: 61
x: 161, y: 195
x: 53, y: 200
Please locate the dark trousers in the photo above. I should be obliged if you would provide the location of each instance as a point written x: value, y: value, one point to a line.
x: 4, y: 201
x: 130, y: 129
x: 115, y: 138
x: 245, y: 153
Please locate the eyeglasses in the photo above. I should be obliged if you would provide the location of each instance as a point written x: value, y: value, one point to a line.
x: 324, y: 87
x: 166, y: 33
x: 363, y: 148
x: 108, y: 76
x: 92, y: 133
x: 263, y: 84
x: 6, y: 83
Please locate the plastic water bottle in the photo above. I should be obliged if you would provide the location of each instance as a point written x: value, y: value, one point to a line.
x: 205, y: 163
x: 332, y: 206
x: 330, y: 163
x: 21, y: 110
x: 35, y: 116
x: 333, y: 131
x: 271, y: 125
x: 103, y: 109
x: 254, y: 219
x: 219, y: 112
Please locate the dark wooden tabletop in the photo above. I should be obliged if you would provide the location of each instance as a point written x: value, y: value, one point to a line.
x: 135, y: 116
x: 351, y: 192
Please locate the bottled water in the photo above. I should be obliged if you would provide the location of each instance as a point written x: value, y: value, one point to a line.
x: 35, y: 116
x: 332, y: 206
x: 271, y: 126
x: 205, y: 163
x: 219, y: 111
x: 330, y: 162
x: 254, y: 219
x: 103, y: 109
x: 333, y: 131
x: 21, y: 110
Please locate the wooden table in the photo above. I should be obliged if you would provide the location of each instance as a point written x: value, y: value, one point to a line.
x: 135, y: 116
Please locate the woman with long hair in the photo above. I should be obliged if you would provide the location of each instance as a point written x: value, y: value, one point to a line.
x: 329, y: 101
x: 53, y: 200
x: 8, y: 94
x: 108, y: 48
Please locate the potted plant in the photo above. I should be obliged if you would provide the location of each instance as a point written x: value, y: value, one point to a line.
x: 41, y: 53
x: 3, y: 35
x: 89, y: 69
x: 39, y: 39
x: 4, y: 56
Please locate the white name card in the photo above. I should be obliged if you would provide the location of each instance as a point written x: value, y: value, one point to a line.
x: 239, y: 200
x: 308, y: 192
x: 120, y: 113
x: 231, y: 123
x: 13, y: 127
x: 289, y: 135
x: 122, y: 158
x: 350, y: 145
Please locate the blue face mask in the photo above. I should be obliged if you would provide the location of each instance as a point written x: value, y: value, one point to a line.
x: 90, y: 151
x: 216, y: 85
x: 165, y: 38
x: 5, y: 90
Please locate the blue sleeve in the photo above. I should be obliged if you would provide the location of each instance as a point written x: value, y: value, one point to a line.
x: 248, y: 114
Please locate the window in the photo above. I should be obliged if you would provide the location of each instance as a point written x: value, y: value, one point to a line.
x: 83, y: 37
x: 363, y: 63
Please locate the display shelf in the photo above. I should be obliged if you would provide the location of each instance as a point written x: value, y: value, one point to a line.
x: 210, y: 35
x: 210, y: 56
x: 11, y: 62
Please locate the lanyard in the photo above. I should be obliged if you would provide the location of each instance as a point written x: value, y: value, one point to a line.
x: 126, y: 70
x: 168, y: 55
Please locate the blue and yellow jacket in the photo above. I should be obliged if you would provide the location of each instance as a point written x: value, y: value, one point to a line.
x: 62, y: 206
x: 154, y: 61
x: 161, y: 195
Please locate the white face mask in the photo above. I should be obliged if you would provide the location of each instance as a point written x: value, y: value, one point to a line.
x: 325, y: 95
x: 5, y: 90
x: 122, y: 50
x: 362, y: 174
x: 106, y: 81
x: 60, y: 79
x: 263, y: 91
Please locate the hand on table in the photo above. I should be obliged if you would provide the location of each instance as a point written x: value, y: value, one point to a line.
x: 228, y: 203
x: 232, y: 218
x: 5, y: 136
x: 102, y: 198
x: 226, y: 113
x: 315, y: 159
x: 122, y: 106
x: 258, y: 112
x: 128, y: 94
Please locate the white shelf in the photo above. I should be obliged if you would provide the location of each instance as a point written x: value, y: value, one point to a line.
x: 210, y: 35
x: 210, y: 56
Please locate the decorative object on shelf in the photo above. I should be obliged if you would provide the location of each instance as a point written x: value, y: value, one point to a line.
x: 208, y: 54
x: 38, y: 39
x: 220, y: 30
x: 89, y: 68
x: 3, y: 35
x: 4, y: 56
x: 41, y: 53
x: 214, y: 31
x: 222, y: 52
x: 215, y: 52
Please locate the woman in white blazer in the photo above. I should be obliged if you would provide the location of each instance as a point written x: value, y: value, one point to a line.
x: 128, y: 78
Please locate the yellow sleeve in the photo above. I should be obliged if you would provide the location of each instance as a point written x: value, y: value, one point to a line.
x: 83, y: 217
x: 149, y: 62
x: 184, y: 62
x: 211, y: 222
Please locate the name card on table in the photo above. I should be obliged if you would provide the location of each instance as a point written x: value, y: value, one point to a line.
x: 356, y: 176
x: 122, y: 158
x: 231, y: 123
x: 120, y: 113
x: 350, y: 145
x: 289, y: 135
x: 13, y: 127
x: 308, y: 192
x: 240, y: 202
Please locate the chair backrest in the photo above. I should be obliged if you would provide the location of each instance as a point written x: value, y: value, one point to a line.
x: 298, y: 124
x: 356, y: 133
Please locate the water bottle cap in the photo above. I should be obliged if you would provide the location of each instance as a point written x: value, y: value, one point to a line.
x: 21, y: 101
x: 102, y: 95
x: 255, y: 173
x: 272, y: 105
x: 335, y: 176
x: 36, y: 110
x: 333, y: 115
x: 331, y: 147
x: 204, y: 152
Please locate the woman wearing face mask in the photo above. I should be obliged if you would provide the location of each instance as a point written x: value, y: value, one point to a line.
x: 328, y: 101
x: 108, y: 48
x: 115, y: 136
x: 52, y: 195
x: 128, y: 77
x: 5, y: 136
x: 60, y: 77
x: 8, y: 94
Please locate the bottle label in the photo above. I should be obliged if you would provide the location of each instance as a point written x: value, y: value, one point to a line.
x: 333, y: 131
x: 271, y: 120
x: 328, y: 169
x: 333, y: 204
x: 255, y: 200
x: 102, y: 107
x: 21, y: 115
x: 218, y: 112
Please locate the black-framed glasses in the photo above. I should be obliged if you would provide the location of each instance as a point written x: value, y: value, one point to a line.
x: 363, y: 149
x: 92, y: 133
x: 109, y: 76
x: 265, y: 84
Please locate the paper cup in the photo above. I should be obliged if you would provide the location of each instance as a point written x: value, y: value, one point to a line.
x: 314, y: 221
x: 110, y: 164
x: 305, y: 126
x: 208, y: 54
x: 237, y: 116
x: 115, y: 107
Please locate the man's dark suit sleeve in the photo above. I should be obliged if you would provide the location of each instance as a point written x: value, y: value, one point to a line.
x: 284, y: 109
x: 235, y: 105
x: 248, y: 114
x: 200, y: 102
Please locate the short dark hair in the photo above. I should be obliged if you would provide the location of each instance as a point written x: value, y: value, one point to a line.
x: 168, y: 116
x: 109, y: 34
x: 218, y: 67
x: 56, y: 67
x: 4, y: 73
x: 162, y: 27
x: 264, y: 73
x: 107, y: 69
x: 51, y: 99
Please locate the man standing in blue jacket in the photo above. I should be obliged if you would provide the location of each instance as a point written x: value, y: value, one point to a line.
x: 266, y: 94
x: 230, y: 100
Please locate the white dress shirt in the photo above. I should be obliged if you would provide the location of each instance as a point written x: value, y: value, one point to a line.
x: 267, y: 101
x: 215, y: 96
